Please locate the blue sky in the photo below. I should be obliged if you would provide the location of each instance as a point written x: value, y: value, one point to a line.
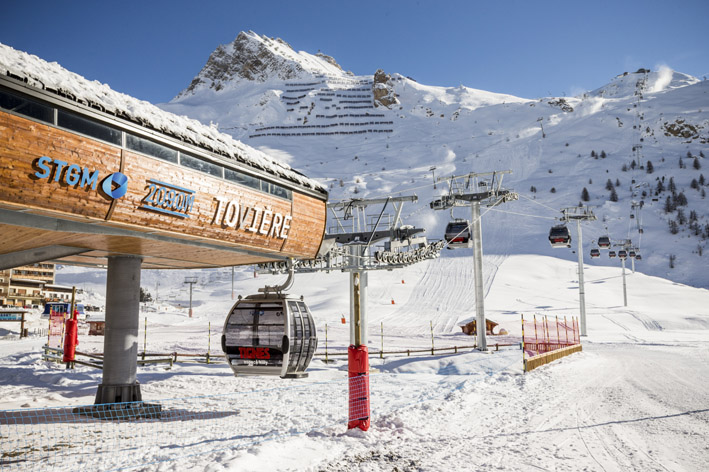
x: 153, y: 49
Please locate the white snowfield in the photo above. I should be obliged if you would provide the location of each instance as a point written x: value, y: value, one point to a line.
x: 325, y: 124
x: 636, y: 398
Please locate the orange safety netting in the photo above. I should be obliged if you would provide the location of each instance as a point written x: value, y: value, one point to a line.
x: 544, y: 334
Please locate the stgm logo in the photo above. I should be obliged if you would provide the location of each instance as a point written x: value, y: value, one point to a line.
x: 73, y: 175
x: 121, y: 182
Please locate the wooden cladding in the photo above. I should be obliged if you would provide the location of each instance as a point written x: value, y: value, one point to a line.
x: 159, y: 197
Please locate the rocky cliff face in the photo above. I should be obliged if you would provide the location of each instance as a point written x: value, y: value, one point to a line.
x: 383, y: 90
x: 258, y: 58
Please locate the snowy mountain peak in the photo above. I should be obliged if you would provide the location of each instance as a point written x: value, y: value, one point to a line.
x: 643, y: 80
x: 256, y: 58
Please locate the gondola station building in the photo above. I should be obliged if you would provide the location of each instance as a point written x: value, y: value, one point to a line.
x: 89, y: 176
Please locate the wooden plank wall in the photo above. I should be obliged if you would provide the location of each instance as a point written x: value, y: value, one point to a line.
x: 23, y: 142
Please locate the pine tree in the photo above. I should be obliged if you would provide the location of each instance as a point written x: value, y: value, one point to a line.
x: 650, y: 169
x: 624, y: 168
x: 694, y: 184
x: 617, y: 182
x: 584, y: 195
x: 696, y: 164
x: 609, y: 185
x: 681, y: 218
x: 672, y: 187
x: 681, y: 164
x: 681, y: 199
x: 590, y: 181
x: 603, y: 154
x: 669, y: 207
x: 660, y: 187
x: 633, y: 164
x: 674, y: 228
x: 553, y: 190
x: 614, y: 195
x: 593, y: 154
x: 701, y: 179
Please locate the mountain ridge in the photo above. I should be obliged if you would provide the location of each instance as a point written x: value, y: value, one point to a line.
x: 328, y: 125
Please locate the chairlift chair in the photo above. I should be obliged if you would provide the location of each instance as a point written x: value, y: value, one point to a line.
x: 611, y: 254
x: 457, y: 234
x: 559, y: 236
x: 269, y: 334
x: 604, y: 242
x: 595, y: 252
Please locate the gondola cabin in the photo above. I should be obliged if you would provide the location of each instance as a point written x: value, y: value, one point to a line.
x: 611, y: 254
x: 458, y: 234
x: 623, y: 254
x: 632, y: 254
x: 604, y: 242
x: 638, y: 257
x: 595, y: 252
x: 559, y: 236
x: 269, y: 334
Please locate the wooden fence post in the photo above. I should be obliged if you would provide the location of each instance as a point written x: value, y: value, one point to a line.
x: 381, y: 353
x: 432, y: 345
x: 524, y: 360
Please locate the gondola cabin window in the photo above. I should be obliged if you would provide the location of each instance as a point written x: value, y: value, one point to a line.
x: 254, y: 333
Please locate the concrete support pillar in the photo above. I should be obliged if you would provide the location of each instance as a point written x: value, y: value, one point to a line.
x: 120, y: 342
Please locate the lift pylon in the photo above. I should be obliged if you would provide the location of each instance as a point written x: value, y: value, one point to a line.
x: 471, y: 190
x: 579, y: 214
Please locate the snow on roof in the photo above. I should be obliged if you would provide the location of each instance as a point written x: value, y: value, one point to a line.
x: 51, y: 76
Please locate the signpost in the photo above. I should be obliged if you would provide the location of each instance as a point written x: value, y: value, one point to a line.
x: 191, y: 281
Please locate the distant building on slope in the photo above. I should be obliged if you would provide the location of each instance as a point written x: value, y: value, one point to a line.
x: 25, y: 285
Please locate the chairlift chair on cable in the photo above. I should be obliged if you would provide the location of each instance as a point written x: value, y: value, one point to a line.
x: 270, y: 333
x: 457, y: 234
x: 559, y: 236
x: 595, y: 252
x: 611, y: 254
x: 604, y: 242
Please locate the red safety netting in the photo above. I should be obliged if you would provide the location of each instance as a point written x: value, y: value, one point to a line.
x: 542, y: 334
x: 56, y: 329
x: 359, y: 410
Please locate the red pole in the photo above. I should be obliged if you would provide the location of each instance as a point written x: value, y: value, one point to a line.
x: 359, y: 409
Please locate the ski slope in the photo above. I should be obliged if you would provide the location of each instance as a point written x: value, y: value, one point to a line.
x: 636, y: 398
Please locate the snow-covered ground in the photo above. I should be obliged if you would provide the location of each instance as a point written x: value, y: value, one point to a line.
x: 636, y: 398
